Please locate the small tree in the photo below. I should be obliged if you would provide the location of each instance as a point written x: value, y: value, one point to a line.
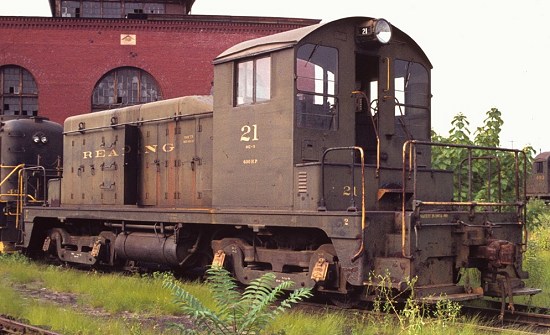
x: 488, y: 135
x: 247, y: 313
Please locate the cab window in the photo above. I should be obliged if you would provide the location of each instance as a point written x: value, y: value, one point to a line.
x: 253, y: 81
x: 412, y: 91
x: 317, y: 87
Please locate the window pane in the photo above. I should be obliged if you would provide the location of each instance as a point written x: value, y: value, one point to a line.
x: 12, y: 80
x: 130, y: 8
x: 310, y: 114
x: 154, y: 8
x: 30, y: 106
x: 244, y: 82
x: 314, y: 66
x: 112, y: 10
x: 69, y: 8
x: 149, y: 91
x: 305, y: 76
x: 11, y: 106
x: 29, y: 85
x: 91, y: 9
x: 263, y: 79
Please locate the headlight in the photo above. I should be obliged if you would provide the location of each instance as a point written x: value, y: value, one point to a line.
x: 382, y: 31
x: 40, y: 138
x: 374, y: 30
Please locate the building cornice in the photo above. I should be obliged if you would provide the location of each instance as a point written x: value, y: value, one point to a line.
x: 164, y: 23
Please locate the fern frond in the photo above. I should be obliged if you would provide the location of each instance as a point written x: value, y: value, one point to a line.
x: 224, y: 291
x: 203, y: 318
x: 294, y: 297
x: 182, y: 329
x: 258, y: 288
x: 260, y: 302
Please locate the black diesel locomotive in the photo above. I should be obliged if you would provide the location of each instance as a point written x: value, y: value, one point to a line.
x: 311, y: 161
x: 30, y: 155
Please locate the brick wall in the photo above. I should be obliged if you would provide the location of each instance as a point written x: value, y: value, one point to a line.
x: 67, y: 57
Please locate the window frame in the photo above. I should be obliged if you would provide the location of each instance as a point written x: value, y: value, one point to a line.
x: 320, y: 90
x: 109, y: 8
x: 24, y: 96
x: 117, y: 82
x: 259, y: 75
x: 402, y: 94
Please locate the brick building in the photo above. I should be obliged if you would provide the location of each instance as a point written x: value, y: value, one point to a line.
x: 98, y: 54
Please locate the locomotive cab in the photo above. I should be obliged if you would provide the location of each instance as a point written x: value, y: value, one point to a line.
x: 294, y: 95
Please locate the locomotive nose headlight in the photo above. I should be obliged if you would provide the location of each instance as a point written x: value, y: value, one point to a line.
x: 374, y: 30
x: 382, y: 31
x: 39, y: 138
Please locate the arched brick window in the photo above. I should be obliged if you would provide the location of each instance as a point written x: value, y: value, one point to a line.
x: 124, y: 86
x: 18, y: 91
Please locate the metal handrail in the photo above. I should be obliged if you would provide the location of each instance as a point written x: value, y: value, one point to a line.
x: 352, y: 207
x: 410, y: 170
x: 22, y: 191
x: 489, y: 177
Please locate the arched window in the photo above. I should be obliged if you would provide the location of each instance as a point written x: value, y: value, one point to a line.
x: 18, y: 91
x: 124, y: 86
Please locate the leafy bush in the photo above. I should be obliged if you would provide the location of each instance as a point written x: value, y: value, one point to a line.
x: 538, y: 215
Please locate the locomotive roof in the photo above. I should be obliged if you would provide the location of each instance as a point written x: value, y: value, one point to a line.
x: 135, y: 114
x: 290, y: 38
x: 543, y: 156
x: 265, y: 44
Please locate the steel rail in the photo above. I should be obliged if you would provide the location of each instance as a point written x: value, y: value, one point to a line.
x: 10, y: 326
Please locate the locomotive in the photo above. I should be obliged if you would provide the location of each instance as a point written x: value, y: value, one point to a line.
x: 30, y: 155
x: 538, y: 186
x: 312, y: 160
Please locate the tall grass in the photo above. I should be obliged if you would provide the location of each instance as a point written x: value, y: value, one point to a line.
x: 300, y: 322
x: 112, y: 292
x: 62, y: 319
x: 537, y: 257
x: 102, y: 299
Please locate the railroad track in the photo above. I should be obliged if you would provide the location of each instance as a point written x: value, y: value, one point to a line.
x: 11, y: 326
x: 536, y: 318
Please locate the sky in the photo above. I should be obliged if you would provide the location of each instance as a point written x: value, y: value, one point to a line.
x: 485, y: 53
